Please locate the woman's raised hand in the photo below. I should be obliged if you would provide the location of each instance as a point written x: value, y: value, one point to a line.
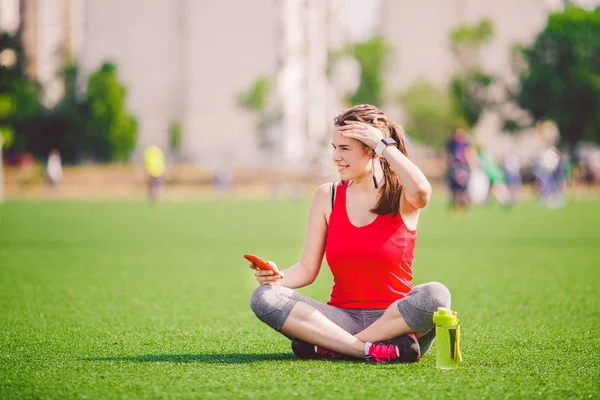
x: 366, y: 133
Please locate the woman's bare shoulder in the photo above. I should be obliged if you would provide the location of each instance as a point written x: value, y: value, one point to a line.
x: 322, y: 195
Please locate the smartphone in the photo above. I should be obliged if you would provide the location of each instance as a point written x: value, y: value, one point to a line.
x: 260, y: 263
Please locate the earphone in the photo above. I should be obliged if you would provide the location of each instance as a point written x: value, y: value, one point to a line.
x: 373, y: 166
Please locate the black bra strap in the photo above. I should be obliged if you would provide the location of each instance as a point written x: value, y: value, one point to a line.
x: 332, y: 194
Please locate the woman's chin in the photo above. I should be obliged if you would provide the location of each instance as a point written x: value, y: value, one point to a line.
x: 345, y: 176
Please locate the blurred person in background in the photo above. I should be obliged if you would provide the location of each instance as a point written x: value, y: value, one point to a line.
x: 54, y: 170
x: 366, y: 226
x: 561, y: 178
x: 223, y: 180
x: 495, y: 175
x: 514, y: 179
x: 544, y: 171
x: 26, y: 164
x: 587, y: 170
x: 154, y: 162
x: 458, y: 168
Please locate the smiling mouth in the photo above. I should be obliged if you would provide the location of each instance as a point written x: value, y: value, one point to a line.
x: 342, y: 168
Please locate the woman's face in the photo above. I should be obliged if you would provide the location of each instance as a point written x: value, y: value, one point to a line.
x: 350, y: 156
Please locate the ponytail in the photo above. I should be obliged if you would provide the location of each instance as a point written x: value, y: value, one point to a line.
x: 389, y: 199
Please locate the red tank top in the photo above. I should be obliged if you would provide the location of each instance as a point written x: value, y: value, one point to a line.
x: 371, y: 265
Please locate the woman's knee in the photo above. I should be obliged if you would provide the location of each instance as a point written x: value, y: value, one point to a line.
x: 436, y: 295
x: 267, y: 299
x: 260, y: 298
x: 418, y: 306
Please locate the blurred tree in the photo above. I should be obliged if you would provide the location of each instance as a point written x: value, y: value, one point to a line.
x: 175, y: 135
x: 372, y: 56
x: 19, y: 95
x: 561, y: 80
x: 62, y: 127
x: 432, y: 113
x: 429, y: 113
x: 7, y: 110
x: 466, y: 41
x: 67, y: 122
x: 97, y: 125
x: 469, y: 93
x: 469, y: 85
x: 257, y: 97
x: 112, y: 131
x: 8, y: 136
x: 257, y: 100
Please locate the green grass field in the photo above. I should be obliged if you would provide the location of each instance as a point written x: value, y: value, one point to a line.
x: 120, y: 300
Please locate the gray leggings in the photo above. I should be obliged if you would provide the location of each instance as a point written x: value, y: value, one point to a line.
x: 273, y: 304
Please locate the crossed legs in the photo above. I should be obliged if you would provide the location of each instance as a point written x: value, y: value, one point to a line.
x: 337, y: 329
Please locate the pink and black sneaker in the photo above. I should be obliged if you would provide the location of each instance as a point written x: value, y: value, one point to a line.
x: 305, y: 350
x: 401, y: 349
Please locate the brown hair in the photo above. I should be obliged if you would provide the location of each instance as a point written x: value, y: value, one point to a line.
x: 389, y: 201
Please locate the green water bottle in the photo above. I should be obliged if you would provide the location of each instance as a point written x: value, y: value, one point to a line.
x: 447, y: 342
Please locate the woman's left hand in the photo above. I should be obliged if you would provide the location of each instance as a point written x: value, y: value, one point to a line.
x: 366, y: 133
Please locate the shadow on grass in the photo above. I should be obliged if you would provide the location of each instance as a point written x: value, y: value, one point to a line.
x: 200, y: 358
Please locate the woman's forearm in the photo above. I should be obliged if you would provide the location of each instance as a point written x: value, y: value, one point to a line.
x: 416, y: 185
x: 298, y: 276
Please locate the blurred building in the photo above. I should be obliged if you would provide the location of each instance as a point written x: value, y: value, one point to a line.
x: 188, y: 60
x: 52, y: 33
x: 419, y: 32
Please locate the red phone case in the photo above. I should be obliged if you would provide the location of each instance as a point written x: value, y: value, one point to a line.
x: 260, y: 263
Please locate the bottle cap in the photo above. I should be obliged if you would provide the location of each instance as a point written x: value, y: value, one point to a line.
x: 445, y: 316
